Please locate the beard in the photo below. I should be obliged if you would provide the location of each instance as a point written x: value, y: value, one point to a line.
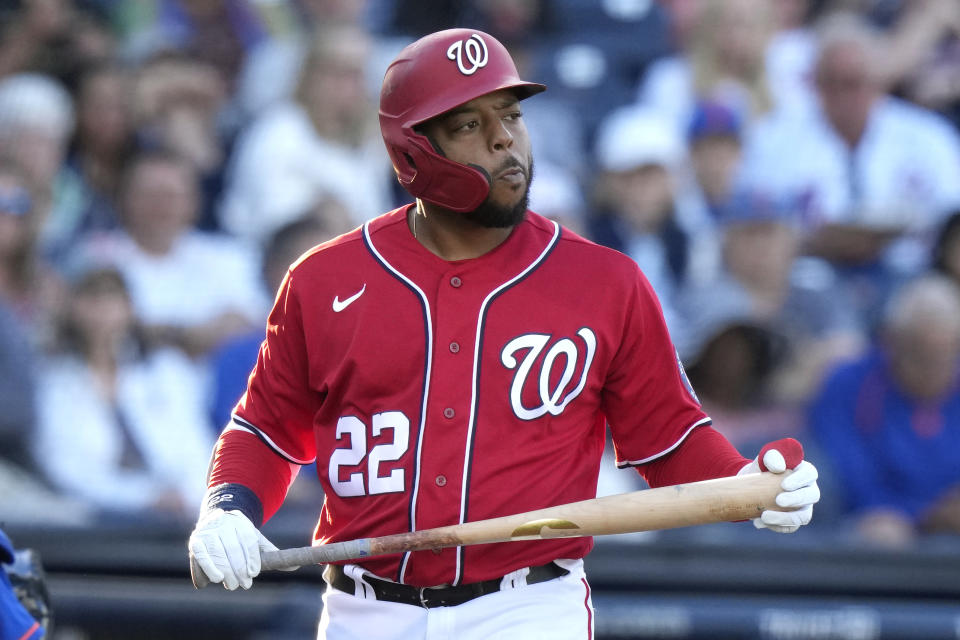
x: 496, y: 216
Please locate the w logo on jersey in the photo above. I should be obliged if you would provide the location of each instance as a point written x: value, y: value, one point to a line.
x: 475, y: 50
x: 554, y: 393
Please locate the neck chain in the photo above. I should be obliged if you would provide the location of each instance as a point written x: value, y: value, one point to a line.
x: 416, y: 214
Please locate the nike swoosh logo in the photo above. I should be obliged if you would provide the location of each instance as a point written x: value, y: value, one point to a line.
x: 340, y: 305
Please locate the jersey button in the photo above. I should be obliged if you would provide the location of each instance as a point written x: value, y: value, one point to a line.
x: 441, y: 480
x: 454, y: 347
x: 455, y: 281
x: 449, y: 412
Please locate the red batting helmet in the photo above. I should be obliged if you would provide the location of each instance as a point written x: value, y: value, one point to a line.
x: 429, y: 77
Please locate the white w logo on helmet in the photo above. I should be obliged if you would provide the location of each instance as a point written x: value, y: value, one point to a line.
x: 474, y: 48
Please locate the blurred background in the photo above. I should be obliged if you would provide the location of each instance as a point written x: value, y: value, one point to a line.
x: 786, y: 173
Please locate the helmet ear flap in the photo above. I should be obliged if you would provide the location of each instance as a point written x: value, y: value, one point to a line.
x: 440, y: 180
x: 404, y: 165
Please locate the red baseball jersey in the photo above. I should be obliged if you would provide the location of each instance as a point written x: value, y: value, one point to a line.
x: 433, y: 393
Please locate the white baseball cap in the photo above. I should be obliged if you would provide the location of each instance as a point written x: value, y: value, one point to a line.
x: 33, y: 100
x: 634, y: 136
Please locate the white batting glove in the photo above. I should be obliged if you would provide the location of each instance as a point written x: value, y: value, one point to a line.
x: 227, y: 546
x: 800, y: 490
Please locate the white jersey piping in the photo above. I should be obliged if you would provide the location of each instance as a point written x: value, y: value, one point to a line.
x: 426, y: 383
x: 475, y: 382
x: 635, y: 463
x: 239, y: 424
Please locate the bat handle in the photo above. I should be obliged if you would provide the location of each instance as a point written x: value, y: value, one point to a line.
x: 278, y: 560
x: 284, y: 559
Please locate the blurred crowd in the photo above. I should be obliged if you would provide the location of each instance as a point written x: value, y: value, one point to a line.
x: 786, y: 173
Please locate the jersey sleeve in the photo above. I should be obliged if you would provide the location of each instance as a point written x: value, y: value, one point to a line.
x: 648, y: 401
x: 279, y: 404
x: 243, y: 465
x: 702, y: 455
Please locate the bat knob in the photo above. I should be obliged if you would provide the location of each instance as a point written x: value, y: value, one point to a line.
x: 199, y: 578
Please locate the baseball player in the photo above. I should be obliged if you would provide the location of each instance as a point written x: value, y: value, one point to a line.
x: 458, y: 359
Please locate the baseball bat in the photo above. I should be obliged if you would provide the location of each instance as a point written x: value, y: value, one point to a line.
x: 682, y: 505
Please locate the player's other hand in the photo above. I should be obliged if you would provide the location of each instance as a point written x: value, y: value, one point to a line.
x: 227, y: 547
x: 799, y: 490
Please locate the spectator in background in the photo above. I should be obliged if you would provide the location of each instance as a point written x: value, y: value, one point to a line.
x: 17, y: 375
x: 877, y: 174
x: 322, y: 144
x: 103, y: 142
x: 889, y: 422
x: 191, y: 289
x: 121, y: 426
x: 28, y: 293
x: 761, y: 246
x: 635, y: 203
x: 722, y: 57
x: 764, y: 283
x: 30, y: 289
x: 233, y: 361
x: 36, y: 122
x: 716, y: 151
x: 26, y: 298
x: 52, y: 37
x: 177, y: 106
x: 731, y: 356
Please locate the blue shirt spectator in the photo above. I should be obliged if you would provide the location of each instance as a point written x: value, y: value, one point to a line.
x: 232, y: 364
x: 889, y: 422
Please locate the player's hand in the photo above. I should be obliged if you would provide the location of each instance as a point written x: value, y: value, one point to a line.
x: 800, y: 490
x: 227, y: 546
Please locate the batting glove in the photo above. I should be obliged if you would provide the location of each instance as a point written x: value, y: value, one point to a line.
x: 800, y: 490
x: 227, y: 546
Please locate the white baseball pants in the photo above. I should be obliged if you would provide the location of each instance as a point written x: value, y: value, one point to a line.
x: 558, y: 609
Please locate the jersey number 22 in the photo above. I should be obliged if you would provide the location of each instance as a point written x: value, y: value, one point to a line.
x: 356, y: 431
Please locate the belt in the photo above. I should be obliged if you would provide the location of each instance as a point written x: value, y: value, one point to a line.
x: 430, y: 597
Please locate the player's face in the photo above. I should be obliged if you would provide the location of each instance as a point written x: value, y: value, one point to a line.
x: 489, y: 133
